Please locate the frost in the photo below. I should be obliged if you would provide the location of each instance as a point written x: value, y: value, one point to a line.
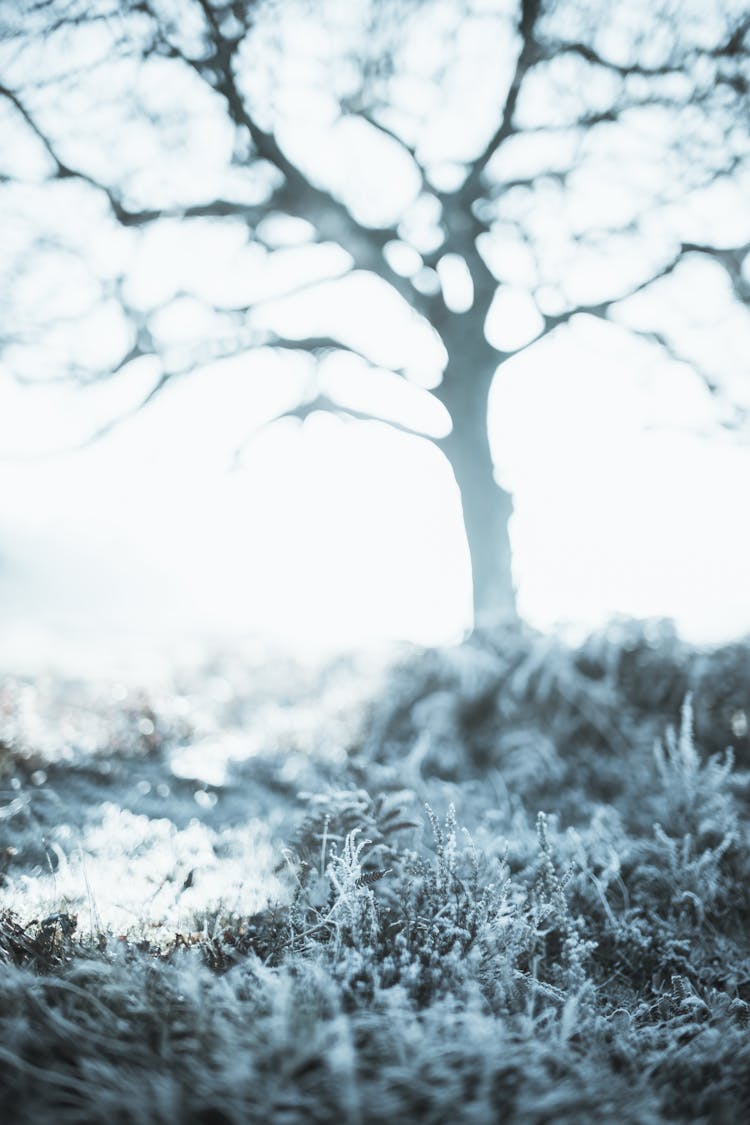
x: 359, y: 912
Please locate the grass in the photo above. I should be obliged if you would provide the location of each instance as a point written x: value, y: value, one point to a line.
x: 517, y: 889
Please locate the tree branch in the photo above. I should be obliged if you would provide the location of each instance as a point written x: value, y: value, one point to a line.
x: 371, y: 119
x: 730, y: 259
x: 115, y: 423
x: 61, y: 170
x: 584, y: 51
x: 732, y: 262
x: 298, y: 196
x: 528, y: 56
x: 735, y: 44
x: 317, y: 345
x: 125, y: 216
x: 324, y: 404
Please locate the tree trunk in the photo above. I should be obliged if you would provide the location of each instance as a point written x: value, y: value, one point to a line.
x: 486, y: 506
x: 464, y: 391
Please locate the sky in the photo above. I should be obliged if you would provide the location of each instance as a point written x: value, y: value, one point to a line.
x: 331, y: 532
x: 198, y: 517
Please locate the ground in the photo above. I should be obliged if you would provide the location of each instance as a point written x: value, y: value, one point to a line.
x: 503, y: 881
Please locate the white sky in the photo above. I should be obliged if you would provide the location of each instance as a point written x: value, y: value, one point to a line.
x: 334, y: 532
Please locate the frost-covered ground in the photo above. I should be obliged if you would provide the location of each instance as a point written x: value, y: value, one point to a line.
x: 462, y: 886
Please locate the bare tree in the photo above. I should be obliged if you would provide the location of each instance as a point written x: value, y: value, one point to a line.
x: 563, y: 159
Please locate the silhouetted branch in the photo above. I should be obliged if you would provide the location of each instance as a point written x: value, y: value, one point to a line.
x: 590, y: 55
x: 319, y: 345
x: 115, y: 423
x: 324, y: 404
x: 124, y: 215
x: 735, y: 45
x: 732, y: 260
x: 298, y: 195
x: 528, y: 56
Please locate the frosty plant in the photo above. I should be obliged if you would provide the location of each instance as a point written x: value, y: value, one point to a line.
x: 697, y: 792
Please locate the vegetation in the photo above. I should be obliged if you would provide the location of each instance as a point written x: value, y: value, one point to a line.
x: 501, y: 903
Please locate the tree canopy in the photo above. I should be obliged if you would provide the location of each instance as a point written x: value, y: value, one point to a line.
x: 417, y: 190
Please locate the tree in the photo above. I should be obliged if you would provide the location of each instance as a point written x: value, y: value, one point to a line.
x: 554, y: 160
